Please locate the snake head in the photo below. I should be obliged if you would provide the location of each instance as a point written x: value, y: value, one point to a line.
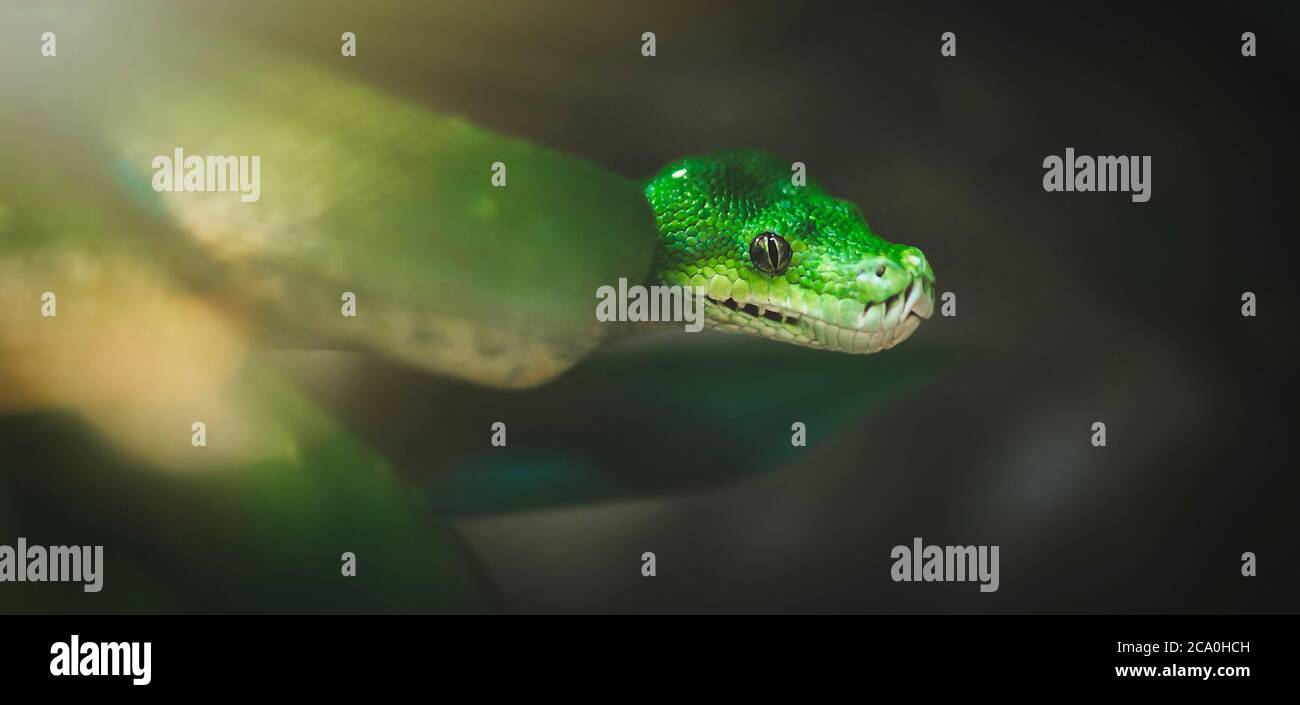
x: 781, y: 260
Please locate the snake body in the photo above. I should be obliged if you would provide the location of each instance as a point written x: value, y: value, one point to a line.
x: 370, y: 193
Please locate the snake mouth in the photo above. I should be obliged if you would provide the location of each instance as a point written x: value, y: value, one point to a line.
x: 771, y: 314
x: 829, y: 323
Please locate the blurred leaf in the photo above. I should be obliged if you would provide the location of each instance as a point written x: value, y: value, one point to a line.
x: 265, y: 535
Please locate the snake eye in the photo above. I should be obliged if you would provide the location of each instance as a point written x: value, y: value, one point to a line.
x: 770, y: 253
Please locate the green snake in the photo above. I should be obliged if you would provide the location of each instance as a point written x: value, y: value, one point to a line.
x: 374, y: 194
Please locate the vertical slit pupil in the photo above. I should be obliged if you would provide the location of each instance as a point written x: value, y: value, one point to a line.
x: 769, y: 253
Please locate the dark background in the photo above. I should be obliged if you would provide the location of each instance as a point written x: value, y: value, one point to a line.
x: 1072, y: 308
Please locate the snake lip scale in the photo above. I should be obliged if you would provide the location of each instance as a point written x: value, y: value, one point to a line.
x: 876, y: 332
x: 768, y: 311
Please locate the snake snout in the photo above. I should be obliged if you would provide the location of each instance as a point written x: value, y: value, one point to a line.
x: 879, y: 278
x: 915, y: 263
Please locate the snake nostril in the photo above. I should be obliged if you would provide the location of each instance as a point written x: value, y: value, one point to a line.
x: 880, y: 271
